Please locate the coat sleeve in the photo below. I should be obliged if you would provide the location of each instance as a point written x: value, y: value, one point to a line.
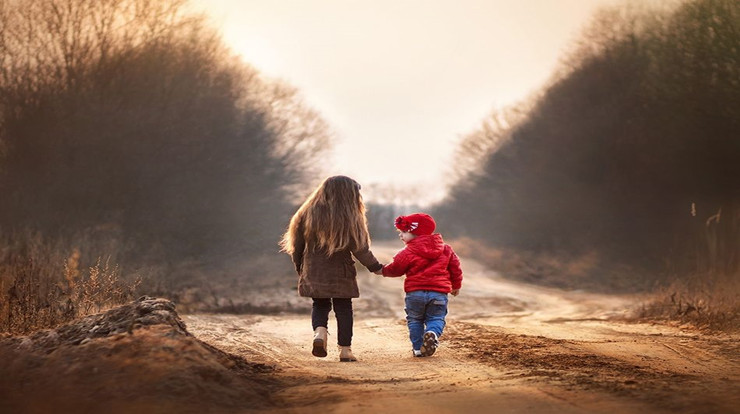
x: 367, y: 258
x: 299, y: 245
x: 398, y: 266
x: 455, y: 270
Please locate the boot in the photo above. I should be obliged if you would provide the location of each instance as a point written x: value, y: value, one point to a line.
x: 319, y: 342
x: 345, y: 354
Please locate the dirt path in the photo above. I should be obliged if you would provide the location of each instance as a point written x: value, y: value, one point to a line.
x: 508, y: 347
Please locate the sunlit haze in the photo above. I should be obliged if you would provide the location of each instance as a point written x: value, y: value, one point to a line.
x: 401, y: 81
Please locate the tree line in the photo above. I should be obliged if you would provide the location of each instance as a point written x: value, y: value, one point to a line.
x: 130, y: 118
x: 632, y: 151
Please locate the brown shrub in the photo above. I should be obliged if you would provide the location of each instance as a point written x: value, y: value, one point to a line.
x: 710, y: 301
x: 43, y: 284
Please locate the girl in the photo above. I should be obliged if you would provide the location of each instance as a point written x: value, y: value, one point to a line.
x: 329, y: 226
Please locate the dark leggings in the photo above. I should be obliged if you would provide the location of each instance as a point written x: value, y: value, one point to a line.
x: 343, y: 312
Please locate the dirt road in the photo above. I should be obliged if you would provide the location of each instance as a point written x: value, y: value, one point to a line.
x: 508, y: 347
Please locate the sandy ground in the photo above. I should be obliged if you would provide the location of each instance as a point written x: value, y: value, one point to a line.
x: 508, y: 347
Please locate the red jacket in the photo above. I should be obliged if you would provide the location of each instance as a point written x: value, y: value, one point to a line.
x: 428, y: 263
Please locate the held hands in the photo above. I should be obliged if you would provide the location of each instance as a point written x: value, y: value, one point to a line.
x: 455, y: 292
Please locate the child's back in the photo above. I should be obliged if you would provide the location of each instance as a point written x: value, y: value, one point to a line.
x: 428, y: 263
x: 432, y: 271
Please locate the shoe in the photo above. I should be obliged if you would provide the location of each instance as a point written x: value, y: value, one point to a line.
x: 417, y: 353
x: 430, y: 343
x: 345, y: 354
x: 319, y: 342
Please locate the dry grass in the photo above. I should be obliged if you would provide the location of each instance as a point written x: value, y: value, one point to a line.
x: 710, y: 301
x: 699, y: 286
x: 43, y: 284
x: 588, y: 270
x: 705, y: 279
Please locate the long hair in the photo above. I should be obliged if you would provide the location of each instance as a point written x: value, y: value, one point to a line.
x: 332, y: 218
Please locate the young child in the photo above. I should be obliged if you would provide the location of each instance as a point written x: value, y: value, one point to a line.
x: 432, y: 271
x: 322, y: 236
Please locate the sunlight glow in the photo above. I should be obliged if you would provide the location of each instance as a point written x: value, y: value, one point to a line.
x: 401, y: 82
x: 259, y: 53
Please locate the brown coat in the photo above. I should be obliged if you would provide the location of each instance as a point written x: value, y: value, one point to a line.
x: 335, y: 276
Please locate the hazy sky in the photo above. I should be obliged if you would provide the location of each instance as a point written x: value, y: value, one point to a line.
x: 400, y: 81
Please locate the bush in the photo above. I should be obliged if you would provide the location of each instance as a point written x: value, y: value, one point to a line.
x: 708, y: 301
x: 133, y: 114
x: 633, y: 144
x: 43, y: 285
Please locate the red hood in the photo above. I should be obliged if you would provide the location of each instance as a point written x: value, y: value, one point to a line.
x: 429, y: 247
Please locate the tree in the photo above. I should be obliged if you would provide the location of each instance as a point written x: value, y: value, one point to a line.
x: 642, y: 122
x: 132, y: 114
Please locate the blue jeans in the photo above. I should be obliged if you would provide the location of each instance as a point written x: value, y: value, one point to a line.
x: 425, y: 311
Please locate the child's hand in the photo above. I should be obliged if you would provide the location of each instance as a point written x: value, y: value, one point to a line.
x: 455, y: 292
x: 379, y: 272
